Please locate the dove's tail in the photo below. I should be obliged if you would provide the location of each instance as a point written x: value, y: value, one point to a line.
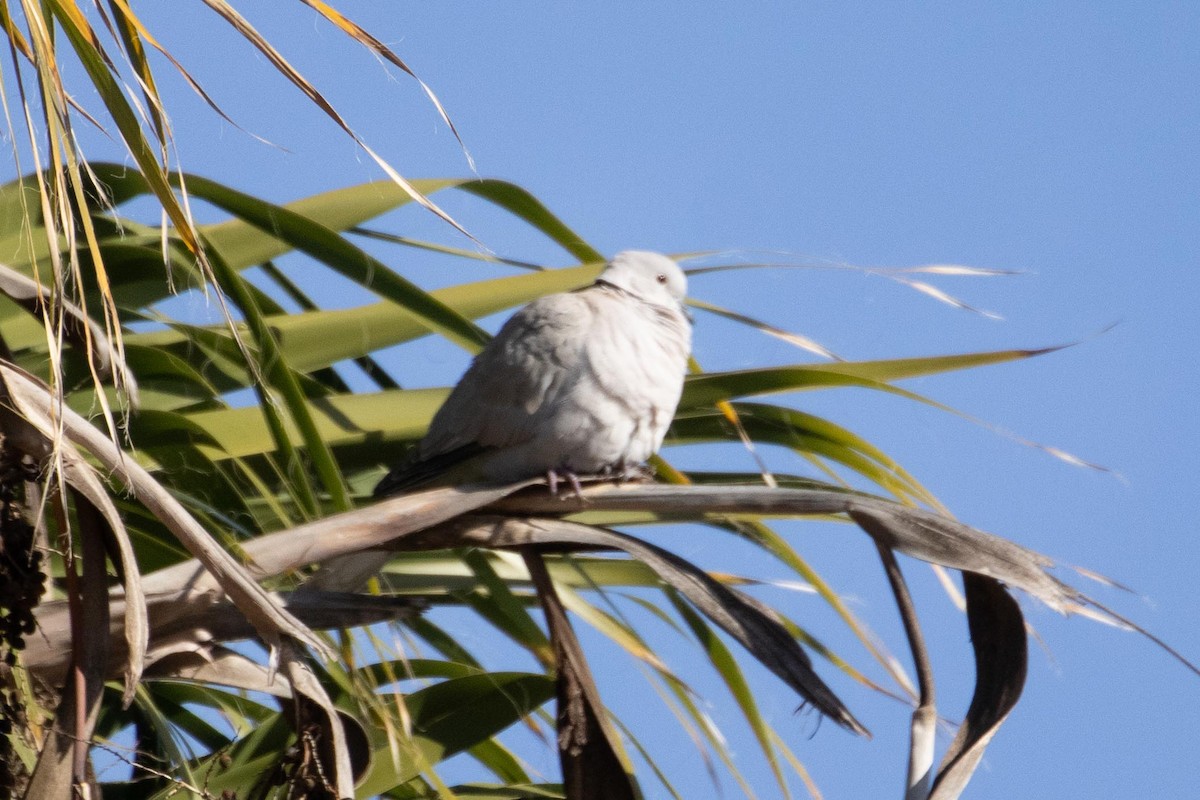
x: 417, y: 472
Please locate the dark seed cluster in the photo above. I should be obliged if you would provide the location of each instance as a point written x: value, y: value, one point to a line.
x: 21, y: 580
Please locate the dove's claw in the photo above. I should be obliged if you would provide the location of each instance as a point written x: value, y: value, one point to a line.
x: 574, y: 479
x: 554, y: 476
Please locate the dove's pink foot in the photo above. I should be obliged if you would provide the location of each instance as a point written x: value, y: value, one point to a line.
x: 553, y: 477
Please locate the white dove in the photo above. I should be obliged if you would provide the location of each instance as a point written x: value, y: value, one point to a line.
x: 579, y: 383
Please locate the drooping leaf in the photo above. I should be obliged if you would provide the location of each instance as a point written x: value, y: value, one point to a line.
x: 588, y: 750
x: 757, y: 632
x: 998, y: 638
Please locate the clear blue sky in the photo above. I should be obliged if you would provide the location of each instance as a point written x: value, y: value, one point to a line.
x: 1062, y: 139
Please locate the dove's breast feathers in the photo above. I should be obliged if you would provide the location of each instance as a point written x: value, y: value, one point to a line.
x: 583, y: 381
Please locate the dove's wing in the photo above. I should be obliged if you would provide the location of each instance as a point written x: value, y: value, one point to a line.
x: 496, y: 404
x: 522, y: 371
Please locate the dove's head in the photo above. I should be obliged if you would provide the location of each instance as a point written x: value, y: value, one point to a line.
x: 651, y: 277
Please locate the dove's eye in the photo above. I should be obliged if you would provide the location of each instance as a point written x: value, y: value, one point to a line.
x: 661, y: 278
